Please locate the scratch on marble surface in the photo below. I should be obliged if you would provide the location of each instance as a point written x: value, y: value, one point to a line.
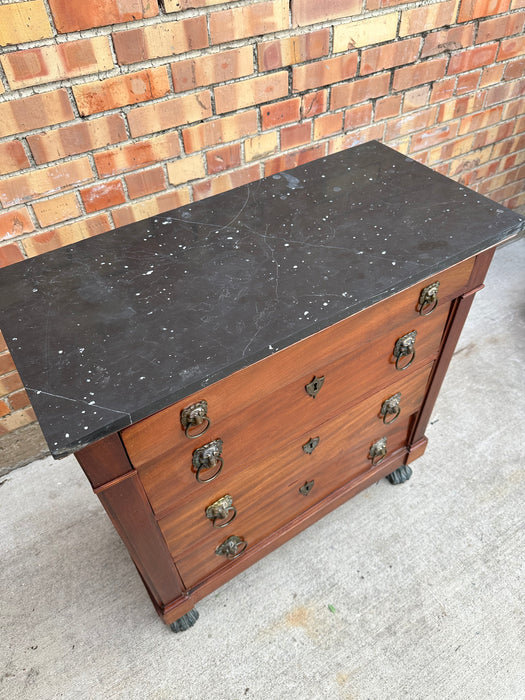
x: 78, y: 401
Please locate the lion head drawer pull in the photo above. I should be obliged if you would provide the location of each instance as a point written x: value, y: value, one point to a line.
x: 392, y: 408
x: 232, y: 548
x: 195, y: 416
x: 378, y: 452
x: 222, y: 512
x: 208, y: 457
x: 428, y: 299
x: 405, y: 347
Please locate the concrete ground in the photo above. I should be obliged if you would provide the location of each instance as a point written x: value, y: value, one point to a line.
x: 411, y: 591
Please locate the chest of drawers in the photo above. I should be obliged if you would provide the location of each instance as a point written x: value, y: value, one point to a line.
x: 230, y: 372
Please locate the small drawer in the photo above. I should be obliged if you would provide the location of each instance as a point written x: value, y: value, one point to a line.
x: 152, y: 438
x: 264, y: 427
x: 332, y: 454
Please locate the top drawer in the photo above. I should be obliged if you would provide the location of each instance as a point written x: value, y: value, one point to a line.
x: 153, y: 437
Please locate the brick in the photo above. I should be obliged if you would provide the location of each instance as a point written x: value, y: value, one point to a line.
x: 4, y: 409
x: 515, y: 202
x: 136, y: 155
x: 512, y: 110
x: 306, y: 12
x: 416, y: 98
x: 145, y: 182
x: 387, y: 107
x: 24, y: 21
x: 506, y: 91
x: 47, y: 64
x: 186, y: 169
x: 514, y: 69
x: 150, y: 207
x: 473, y: 9
x: 247, y: 21
x: 425, y: 72
x: 381, y: 4
x: 168, y: 114
x: 261, y: 146
x: 74, y: 15
x: 442, y: 89
x: 45, y: 181
x: 491, y: 75
x: 500, y: 27
x: 222, y: 130
x: 264, y: 88
x: 453, y: 149
x: 226, y: 181
x: 280, y: 113
x: 35, y: 112
x: 389, y: 56
x: 472, y: 58
x: 9, y: 382
x: 358, y: 116
x: 368, y: 133
x: 460, y: 106
x: 427, y: 18
x: 19, y: 400
x: 197, y: 72
x: 296, y: 135
x: 103, y: 195
x: 511, y: 48
x: 10, y: 254
x: 65, y: 235
x: 480, y: 120
x: 327, y: 125
x: 78, y: 138
x: 54, y: 211
x: 410, y: 123
x: 293, y: 159
x: 157, y: 40
x: 430, y: 137
x: 3, y: 345
x: 6, y: 363
x: 16, y: 420
x: 468, y: 82
x: 12, y: 157
x: 178, y: 5
x: 223, y: 158
x: 102, y: 95
x: 494, y: 135
x: 505, y: 147
x: 293, y: 50
x: 314, y: 103
x: 359, y: 90
x: 365, y: 32
x: 15, y: 223
x: 319, y: 73
x: 451, y: 39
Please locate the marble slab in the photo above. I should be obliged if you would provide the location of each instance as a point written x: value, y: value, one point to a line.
x: 109, y: 330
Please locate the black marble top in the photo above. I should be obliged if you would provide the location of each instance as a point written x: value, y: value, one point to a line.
x: 111, y: 329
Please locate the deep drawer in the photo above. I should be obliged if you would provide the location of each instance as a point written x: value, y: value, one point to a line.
x: 270, y: 488
x: 162, y: 433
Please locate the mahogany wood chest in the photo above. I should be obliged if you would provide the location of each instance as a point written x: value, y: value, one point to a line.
x: 230, y: 371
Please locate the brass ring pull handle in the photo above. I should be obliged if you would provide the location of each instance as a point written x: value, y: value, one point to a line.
x: 208, y: 457
x: 428, y: 299
x: 392, y: 408
x: 405, y: 347
x: 223, y: 509
x: 195, y: 416
x: 378, y: 452
x: 232, y: 548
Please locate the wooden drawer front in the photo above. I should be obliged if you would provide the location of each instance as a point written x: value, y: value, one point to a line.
x: 152, y: 437
x: 273, y: 421
x: 271, y: 486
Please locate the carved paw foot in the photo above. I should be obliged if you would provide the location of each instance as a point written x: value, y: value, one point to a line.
x: 185, y: 622
x: 400, y: 475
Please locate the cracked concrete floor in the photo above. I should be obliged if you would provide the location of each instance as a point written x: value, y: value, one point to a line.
x: 413, y: 591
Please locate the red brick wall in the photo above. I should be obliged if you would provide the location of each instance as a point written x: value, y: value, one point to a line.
x: 117, y: 110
